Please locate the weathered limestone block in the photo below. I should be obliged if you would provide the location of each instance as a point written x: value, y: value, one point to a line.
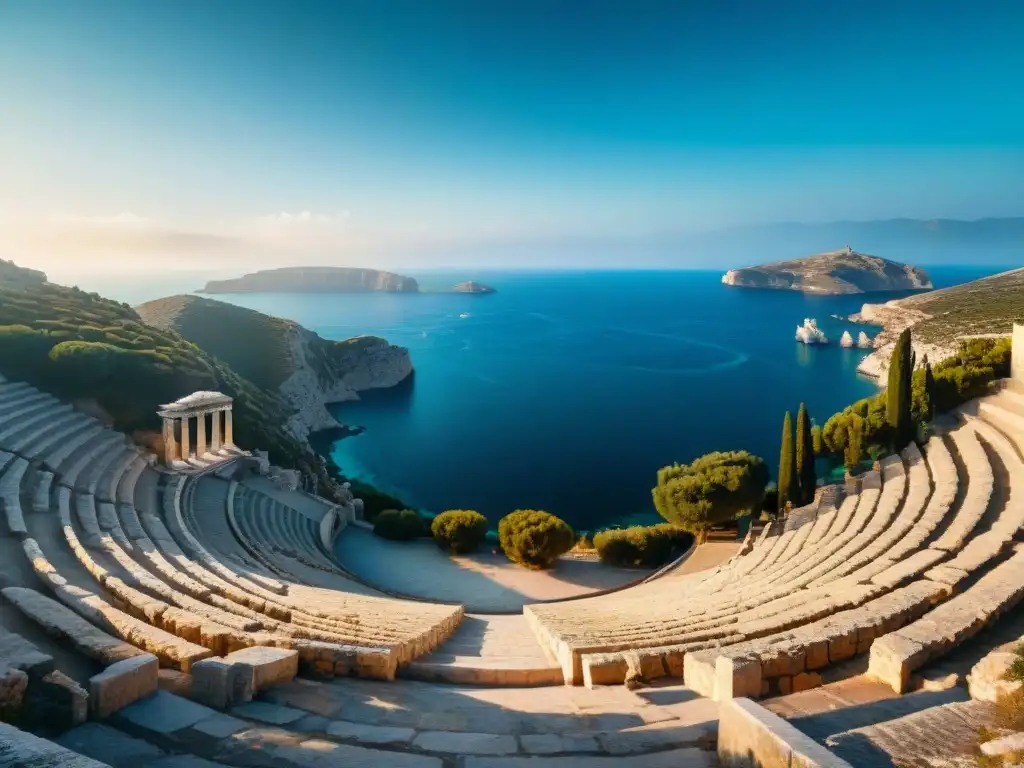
x: 893, y: 659
x: 270, y: 665
x: 699, y: 672
x: 58, y: 701
x: 737, y: 676
x: 805, y: 681
x: 13, y: 683
x: 175, y: 682
x: 603, y: 669
x: 219, y: 683
x: 1010, y: 745
x: 122, y: 683
x: 987, y: 679
x: 750, y: 736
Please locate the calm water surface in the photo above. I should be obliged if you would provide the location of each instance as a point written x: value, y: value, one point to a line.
x: 567, y: 391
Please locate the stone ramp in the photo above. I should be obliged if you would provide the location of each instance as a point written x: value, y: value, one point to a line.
x: 945, y: 736
x: 488, y: 650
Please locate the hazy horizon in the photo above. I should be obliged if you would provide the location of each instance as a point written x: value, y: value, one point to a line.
x: 141, y: 137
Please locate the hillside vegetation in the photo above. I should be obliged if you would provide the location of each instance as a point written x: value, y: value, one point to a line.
x: 987, y: 306
x: 222, y: 330
x: 80, y: 345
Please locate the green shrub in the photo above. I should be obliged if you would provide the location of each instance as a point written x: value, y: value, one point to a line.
x: 533, y: 538
x: 641, y: 546
x: 459, y: 530
x: 399, y: 525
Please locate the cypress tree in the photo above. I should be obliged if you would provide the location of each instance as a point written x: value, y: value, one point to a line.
x: 898, y: 392
x: 788, y: 488
x: 929, y: 390
x: 808, y: 478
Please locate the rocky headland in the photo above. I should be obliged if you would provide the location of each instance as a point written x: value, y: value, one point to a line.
x: 942, y: 319
x: 315, y: 280
x: 832, y: 273
x: 310, y: 372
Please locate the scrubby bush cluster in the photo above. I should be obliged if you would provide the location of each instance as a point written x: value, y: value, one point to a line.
x: 534, y: 538
x: 459, y: 531
x: 642, y: 546
x: 399, y: 525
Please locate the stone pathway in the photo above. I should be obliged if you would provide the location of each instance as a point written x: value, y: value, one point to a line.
x: 483, y: 582
x: 489, y: 649
x: 356, y: 723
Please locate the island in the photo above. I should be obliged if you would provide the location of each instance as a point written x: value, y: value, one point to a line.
x: 471, y: 286
x: 833, y: 273
x: 315, y: 280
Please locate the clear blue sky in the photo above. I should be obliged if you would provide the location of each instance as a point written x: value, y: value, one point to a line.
x: 390, y: 123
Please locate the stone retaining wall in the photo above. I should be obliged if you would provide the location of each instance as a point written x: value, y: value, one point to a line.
x: 749, y: 736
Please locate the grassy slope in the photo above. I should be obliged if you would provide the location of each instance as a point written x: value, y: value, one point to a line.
x: 987, y: 306
x: 80, y: 345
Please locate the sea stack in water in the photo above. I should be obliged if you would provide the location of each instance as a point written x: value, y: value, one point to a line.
x: 846, y: 340
x: 863, y: 341
x: 809, y: 333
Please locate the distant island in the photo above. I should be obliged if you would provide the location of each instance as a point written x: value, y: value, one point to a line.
x: 315, y: 280
x: 471, y: 286
x: 836, y: 272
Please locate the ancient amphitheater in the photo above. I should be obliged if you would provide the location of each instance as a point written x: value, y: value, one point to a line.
x: 194, y: 616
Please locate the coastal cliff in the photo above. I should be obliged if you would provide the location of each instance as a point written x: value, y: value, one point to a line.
x: 315, y: 280
x: 942, y: 319
x: 832, y: 273
x: 308, y: 371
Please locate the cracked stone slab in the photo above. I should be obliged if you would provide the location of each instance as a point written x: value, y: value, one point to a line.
x: 275, y: 714
x: 676, y: 758
x: 316, y: 753
x: 466, y: 743
x: 109, y: 745
x: 370, y: 734
x: 553, y: 743
x: 220, y: 726
x: 165, y: 713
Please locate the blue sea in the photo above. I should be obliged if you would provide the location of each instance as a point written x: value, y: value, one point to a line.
x: 566, y: 391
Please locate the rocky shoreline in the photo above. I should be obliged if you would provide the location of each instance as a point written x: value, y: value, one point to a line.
x: 893, y: 319
x: 378, y: 365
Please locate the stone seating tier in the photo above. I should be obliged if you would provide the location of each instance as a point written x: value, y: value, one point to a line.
x: 874, y: 545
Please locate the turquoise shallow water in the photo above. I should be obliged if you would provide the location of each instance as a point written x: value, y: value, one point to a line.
x: 566, y: 391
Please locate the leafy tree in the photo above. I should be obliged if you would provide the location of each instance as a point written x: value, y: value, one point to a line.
x: 533, y: 538
x: 806, y: 474
x: 459, y: 530
x: 789, y: 482
x: 714, y: 489
x: 899, y: 391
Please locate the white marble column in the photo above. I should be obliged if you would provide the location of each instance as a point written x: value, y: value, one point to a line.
x: 186, y: 440
x: 215, y: 439
x: 229, y: 430
x: 170, y: 444
x: 201, y: 446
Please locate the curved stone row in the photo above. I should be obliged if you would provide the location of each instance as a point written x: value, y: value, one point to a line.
x: 866, y: 564
x: 139, y: 575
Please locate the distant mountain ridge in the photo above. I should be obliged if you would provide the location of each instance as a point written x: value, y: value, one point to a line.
x: 315, y: 280
x: 834, y: 272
